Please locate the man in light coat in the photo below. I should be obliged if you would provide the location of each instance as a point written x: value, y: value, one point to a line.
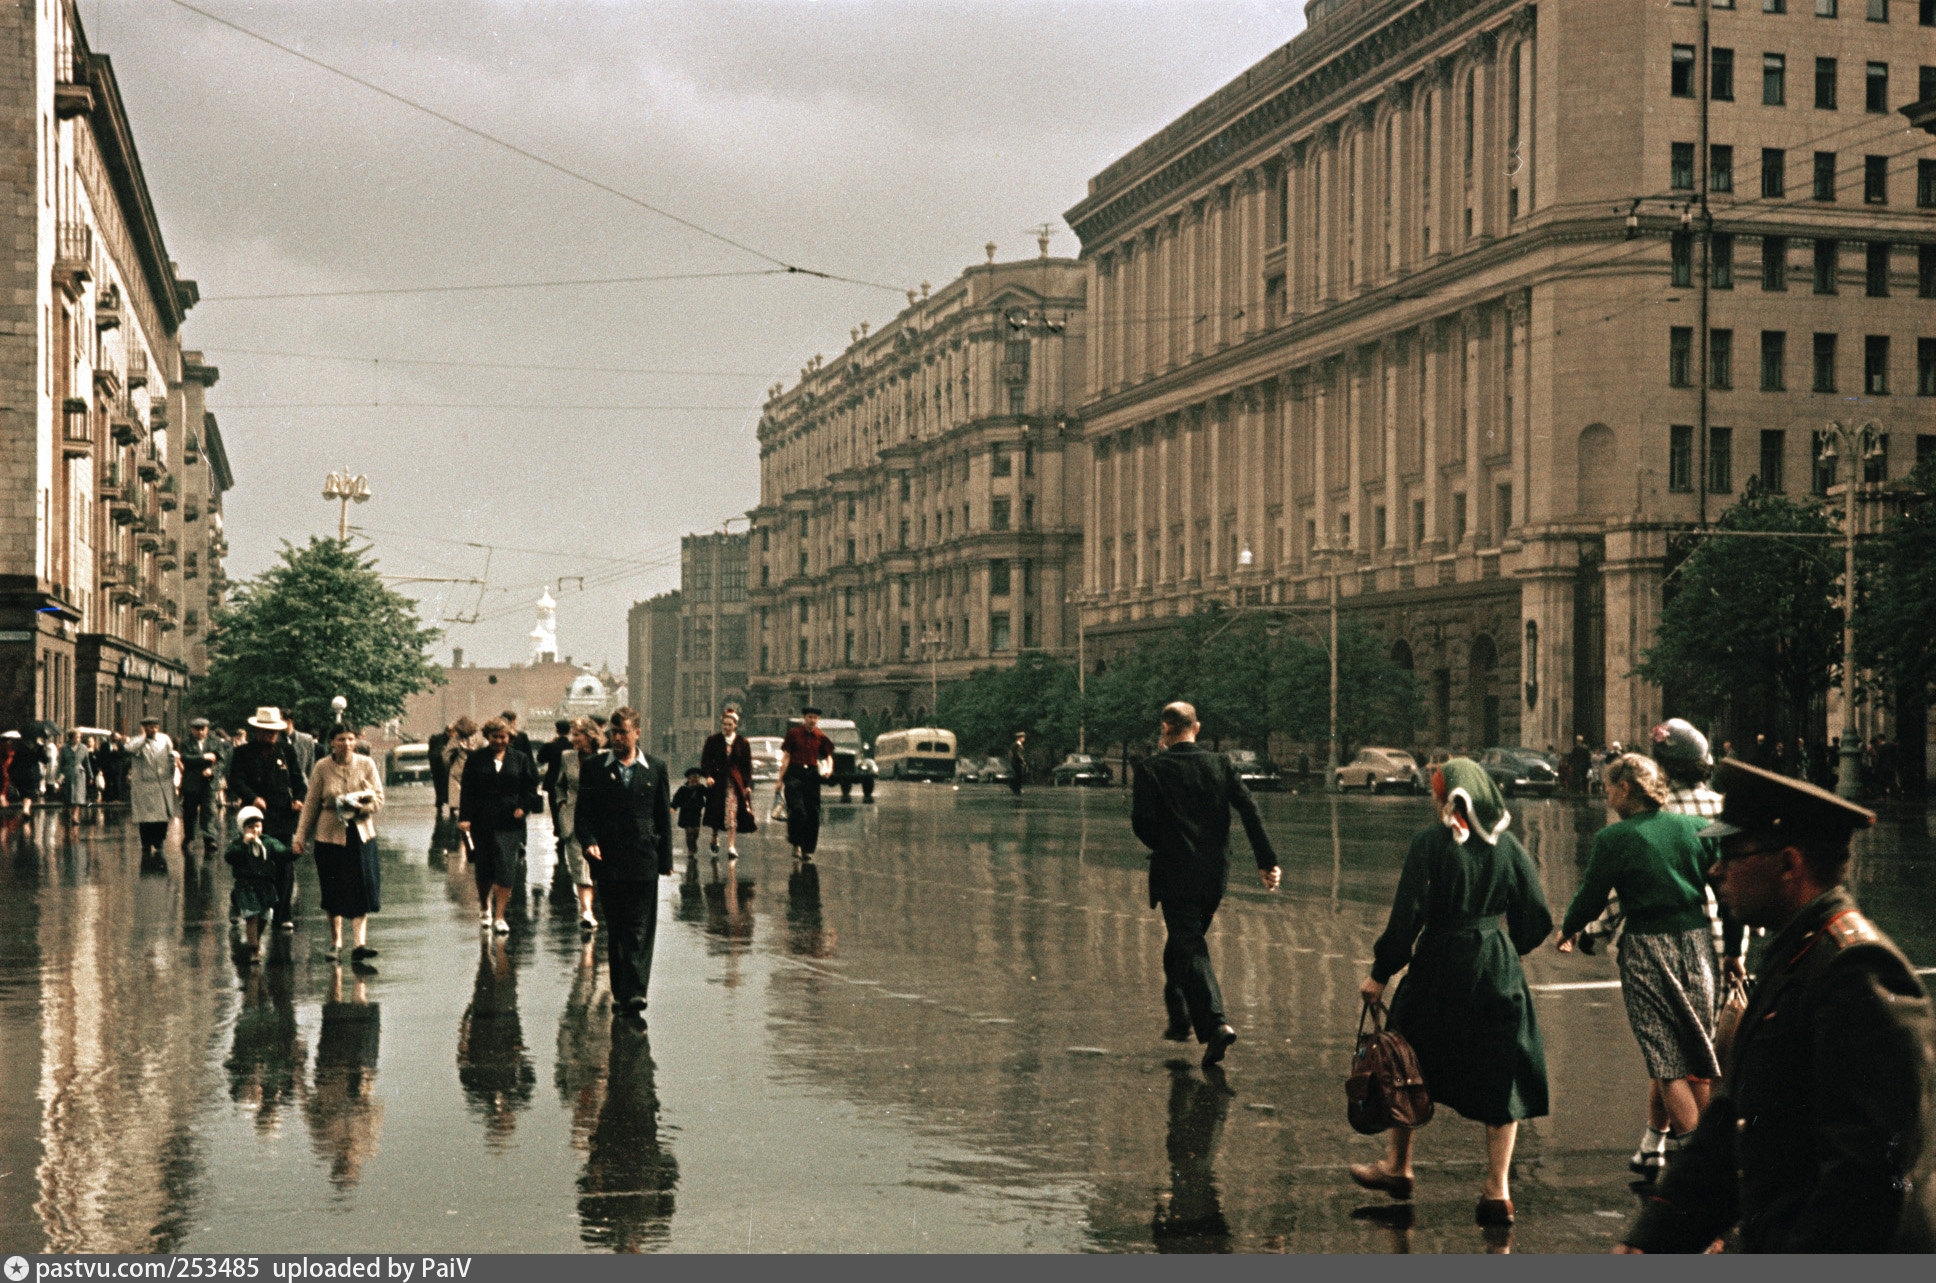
x: 153, y: 769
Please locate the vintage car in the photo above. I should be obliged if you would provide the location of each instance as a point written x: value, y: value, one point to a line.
x: 1377, y: 769
x: 1080, y: 769
x: 1520, y: 771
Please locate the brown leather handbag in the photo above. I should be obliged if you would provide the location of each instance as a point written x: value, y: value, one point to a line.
x: 1385, y: 1088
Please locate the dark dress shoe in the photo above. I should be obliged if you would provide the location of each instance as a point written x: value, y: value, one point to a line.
x: 1177, y: 1033
x: 1368, y: 1176
x: 362, y: 951
x: 1494, y: 1211
x: 1219, y: 1043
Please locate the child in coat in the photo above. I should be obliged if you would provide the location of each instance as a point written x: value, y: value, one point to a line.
x: 256, y: 860
x: 690, y: 803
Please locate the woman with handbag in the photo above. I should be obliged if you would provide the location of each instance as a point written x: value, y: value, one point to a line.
x: 726, y: 760
x: 1655, y: 863
x: 339, y: 817
x: 498, y: 789
x: 1464, y: 1005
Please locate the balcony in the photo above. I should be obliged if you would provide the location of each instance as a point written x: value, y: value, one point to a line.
x: 123, y: 424
x: 147, y: 465
x: 108, y: 383
x: 124, y: 503
x: 147, y: 532
x: 138, y: 368
x: 73, y: 256
x: 107, y: 480
x: 192, y: 621
x: 73, y: 95
x: 167, y: 490
x: 169, y: 557
x: 107, y: 309
x: 77, y: 429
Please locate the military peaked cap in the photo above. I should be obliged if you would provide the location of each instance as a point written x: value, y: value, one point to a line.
x: 1758, y: 801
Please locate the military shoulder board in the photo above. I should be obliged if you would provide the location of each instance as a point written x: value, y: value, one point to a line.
x: 1850, y: 927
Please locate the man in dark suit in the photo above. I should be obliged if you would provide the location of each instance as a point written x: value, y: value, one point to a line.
x: 439, y: 769
x: 205, y: 766
x: 624, y: 820
x: 1180, y: 810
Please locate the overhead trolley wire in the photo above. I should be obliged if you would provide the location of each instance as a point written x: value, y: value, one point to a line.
x: 506, y: 285
x: 487, y: 365
x: 531, y: 156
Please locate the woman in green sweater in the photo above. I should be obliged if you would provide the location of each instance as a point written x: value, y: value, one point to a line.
x: 1654, y: 861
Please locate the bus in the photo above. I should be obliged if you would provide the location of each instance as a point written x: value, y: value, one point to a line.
x: 920, y: 753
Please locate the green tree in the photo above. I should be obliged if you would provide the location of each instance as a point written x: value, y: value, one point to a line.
x: 1750, y: 623
x: 1036, y: 694
x: 316, y: 625
x: 1894, y: 635
x: 1377, y: 697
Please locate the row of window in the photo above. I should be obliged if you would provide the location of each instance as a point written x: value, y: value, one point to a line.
x: 1774, y: 361
x: 1682, y: 77
x: 1774, y: 174
x: 1878, y: 256
x: 1877, y: 10
x: 1001, y: 637
x: 1774, y: 448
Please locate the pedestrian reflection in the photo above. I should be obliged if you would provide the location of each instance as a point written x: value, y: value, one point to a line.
x: 343, y: 1110
x: 267, y: 1057
x: 692, y: 896
x: 584, y: 1043
x: 625, y: 1195
x: 492, y: 1062
x: 1396, y: 1219
x: 807, y: 935
x: 1191, y: 1219
x: 729, y: 920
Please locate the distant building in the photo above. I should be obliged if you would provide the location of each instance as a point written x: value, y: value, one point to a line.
x: 712, y: 637
x: 652, y: 667
x: 917, y: 521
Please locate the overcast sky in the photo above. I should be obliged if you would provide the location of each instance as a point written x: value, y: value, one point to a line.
x: 880, y: 141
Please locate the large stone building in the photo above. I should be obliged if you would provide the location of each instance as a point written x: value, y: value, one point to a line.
x: 916, y: 519
x: 710, y: 670
x: 1418, y: 300
x: 652, y: 668
x: 111, y: 471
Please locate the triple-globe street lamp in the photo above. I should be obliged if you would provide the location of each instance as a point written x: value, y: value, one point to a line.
x: 345, y: 488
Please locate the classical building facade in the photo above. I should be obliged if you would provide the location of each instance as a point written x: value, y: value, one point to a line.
x: 111, y: 471
x: 917, y: 521
x: 1419, y: 301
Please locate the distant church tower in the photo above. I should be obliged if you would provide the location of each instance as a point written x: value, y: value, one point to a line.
x: 544, y: 638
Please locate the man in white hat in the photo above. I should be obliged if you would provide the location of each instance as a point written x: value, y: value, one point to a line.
x: 265, y: 774
x: 152, y: 767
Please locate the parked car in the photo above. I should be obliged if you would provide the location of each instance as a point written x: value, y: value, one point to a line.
x: 1079, y: 769
x: 766, y: 758
x: 1520, y: 770
x: 1257, y: 773
x: 990, y: 770
x: 1378, y: 769
x: 407, y: 764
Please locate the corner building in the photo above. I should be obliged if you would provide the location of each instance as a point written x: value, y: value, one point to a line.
x: 1417, y: 301
x: 111, y: 470
x: 920, y: 501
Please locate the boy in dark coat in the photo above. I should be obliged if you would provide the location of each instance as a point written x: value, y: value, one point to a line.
x: 624, y: 820
x: 690, y: 803
x: 258, y: 863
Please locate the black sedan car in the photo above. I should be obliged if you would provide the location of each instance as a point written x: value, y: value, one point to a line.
x: 1520, y: 771
x: 1080, y: 768
x: 1256, y: 772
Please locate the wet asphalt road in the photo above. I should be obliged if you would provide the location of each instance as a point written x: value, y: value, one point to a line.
x: 944, y: 1039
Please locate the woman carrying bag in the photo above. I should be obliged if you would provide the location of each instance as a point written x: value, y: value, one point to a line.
x: 1464, y: 1005
x: 339, y: 816
x: 499, y: 788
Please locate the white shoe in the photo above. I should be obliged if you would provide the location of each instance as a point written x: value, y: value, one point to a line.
x: 502, y: 927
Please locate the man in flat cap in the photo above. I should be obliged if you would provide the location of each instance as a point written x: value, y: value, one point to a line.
x: 205, y: 766
x: 1819, y: 1139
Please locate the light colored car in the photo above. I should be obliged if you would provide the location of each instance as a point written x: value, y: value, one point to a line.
x: 766, y: 758
x: 1378, y: 769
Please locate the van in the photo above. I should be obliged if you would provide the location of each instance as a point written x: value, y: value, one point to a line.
x: 920, y: 753
x: 407, y: 764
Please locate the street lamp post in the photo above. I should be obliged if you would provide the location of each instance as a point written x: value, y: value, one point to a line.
x: 1860, y: 443
x: 344, y: 488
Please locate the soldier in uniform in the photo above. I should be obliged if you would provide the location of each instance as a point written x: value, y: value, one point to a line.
x: 1819, y: 1139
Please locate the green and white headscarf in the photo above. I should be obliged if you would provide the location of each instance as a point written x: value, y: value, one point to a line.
x: 1464, y: 778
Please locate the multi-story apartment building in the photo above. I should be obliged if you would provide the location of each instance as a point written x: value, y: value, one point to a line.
x: 106, y: 447
x: 916, y: 519
x: 1419, y: 301
x: 710, y: 670
x: 652, y: 668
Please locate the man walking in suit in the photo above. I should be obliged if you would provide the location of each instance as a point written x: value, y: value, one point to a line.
x: 1180, y: 809
x: 205, y: 765
x: 624, y: 821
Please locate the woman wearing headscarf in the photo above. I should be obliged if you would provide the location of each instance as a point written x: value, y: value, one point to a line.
x: 1464, y: 1004
x: 726, y: 760
x: 339, y: 816
x: 498, y: 789
x: 1655, y: 863
x: 585, y: 740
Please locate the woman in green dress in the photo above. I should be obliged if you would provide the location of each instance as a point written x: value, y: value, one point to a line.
x: 1464, y: 1004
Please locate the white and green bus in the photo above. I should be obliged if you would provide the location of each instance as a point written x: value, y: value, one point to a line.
x: 920, y: 753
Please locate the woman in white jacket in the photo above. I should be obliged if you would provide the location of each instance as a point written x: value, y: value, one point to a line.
x: 339, y: 816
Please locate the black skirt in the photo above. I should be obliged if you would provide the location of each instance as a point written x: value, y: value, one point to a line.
x: 498, y: 854
x: 352, y: 884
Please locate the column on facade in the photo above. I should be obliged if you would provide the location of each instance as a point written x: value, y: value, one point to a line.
x: 1633, y: 573
x: 1098, y: 325
x: 1354, y: 458
x: 1123, y: 453
x: 1249, y: 468
x: 1250, y: 248
x: 1401, y: 181
x: 1216, y: 455
x: 1187, y: 497
x: 1486, y: 161
x: 1521, y: 164
x: 1473, y: 323
x: 1522, y: 434
x: 1092, y: 519
x: 1165, y: 466
x: 1321, y: 453
x: 1289, y: 452
x: 1388, y: 358
x: 1431, y: 337
x: 1296, y: 270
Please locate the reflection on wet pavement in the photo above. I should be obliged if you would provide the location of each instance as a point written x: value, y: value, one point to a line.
x: 943, y: 1035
